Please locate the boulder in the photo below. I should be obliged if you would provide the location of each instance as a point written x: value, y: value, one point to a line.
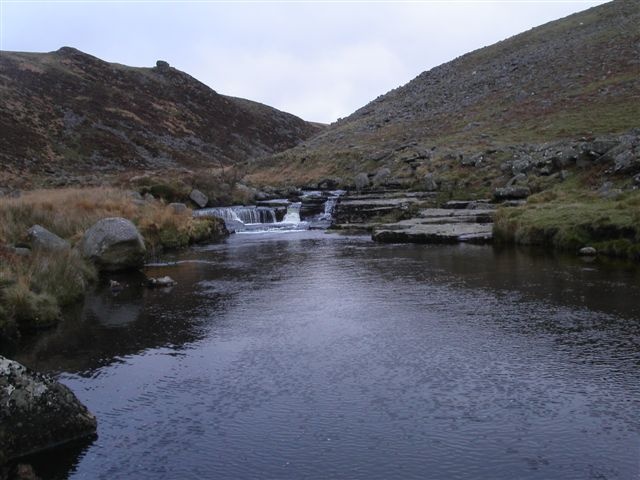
x: 37, y: 413
x: 199, y: 198
x: 430, y: 183
x: 178, y: 208
x: 161, y: 282
x: 361, y: 181
x: 114, y: 244
x: 381, y: 176
x: 587, y: 251
x: 42, y: 239
x: 511, y: 193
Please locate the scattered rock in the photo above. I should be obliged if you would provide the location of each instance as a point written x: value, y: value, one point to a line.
x: 149, y: 197
x: 361, y: 181
x: 519, y: 179
x: 199, y: 198
x: 587, y: 251
x: 430, y: 183
x: 161, y: 282
x: 381, y: 176
x: 115, y: 286
x: 511, y: 193
x: 21, y: 251
x: 37, y: 413
x: 330, y: 183
x: 114, y: 244
x: 42, y: 239
x: 178, y: 208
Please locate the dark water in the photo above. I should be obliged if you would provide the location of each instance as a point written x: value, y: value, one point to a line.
x: 307, y: 355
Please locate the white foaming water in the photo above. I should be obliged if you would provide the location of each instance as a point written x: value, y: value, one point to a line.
x: 252, y: 219
x: 293, y: 213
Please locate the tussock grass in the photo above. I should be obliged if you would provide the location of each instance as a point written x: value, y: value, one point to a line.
x: 573, y: 218
x: 35, y: 288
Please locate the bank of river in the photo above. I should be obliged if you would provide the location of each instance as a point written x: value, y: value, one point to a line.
x: 308, y: 355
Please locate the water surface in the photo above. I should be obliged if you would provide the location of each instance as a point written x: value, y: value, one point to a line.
x: 314, y: 356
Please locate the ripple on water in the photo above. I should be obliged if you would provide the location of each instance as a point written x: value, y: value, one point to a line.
x: 324, y: 357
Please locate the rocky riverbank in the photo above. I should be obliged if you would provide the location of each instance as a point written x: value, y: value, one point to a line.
x: 37, y: 413
x: 54, y: 243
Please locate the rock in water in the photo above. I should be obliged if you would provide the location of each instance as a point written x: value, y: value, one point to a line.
x: 114, y: 244
x: 199, y: 198
x: 42, y: 239
x: 37, y: 413
x: 161, y: 282
x: 587, y: 251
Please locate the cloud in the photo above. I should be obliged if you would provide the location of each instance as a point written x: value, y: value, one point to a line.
x: 321, y: 86
x: 317, y: 60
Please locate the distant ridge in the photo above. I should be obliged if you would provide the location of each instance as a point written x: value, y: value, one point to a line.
x: 67, y: 112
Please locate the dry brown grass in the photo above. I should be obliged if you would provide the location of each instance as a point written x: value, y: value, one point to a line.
x: 34, y: 288
x: 69, y: 212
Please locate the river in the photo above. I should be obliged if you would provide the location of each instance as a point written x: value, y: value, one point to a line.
x: 312, y: 356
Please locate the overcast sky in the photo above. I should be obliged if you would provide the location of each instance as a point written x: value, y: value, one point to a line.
x: 318, y: 60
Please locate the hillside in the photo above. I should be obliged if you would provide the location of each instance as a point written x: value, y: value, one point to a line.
x: 569, y: 80
x: 67, y: 115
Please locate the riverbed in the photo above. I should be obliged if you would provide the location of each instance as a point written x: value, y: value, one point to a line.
x: 309, y: 355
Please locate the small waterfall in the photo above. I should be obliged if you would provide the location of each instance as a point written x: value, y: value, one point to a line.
x: 293, y: 213
x: 255, y: 219
x: 329, y: 207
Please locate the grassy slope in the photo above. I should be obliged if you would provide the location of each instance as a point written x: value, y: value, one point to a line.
x: 573, y: 77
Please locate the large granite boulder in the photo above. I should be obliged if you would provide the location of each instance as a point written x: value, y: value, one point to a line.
x: 42, y: 239
x: 37, y: 413
x: 114, y: 244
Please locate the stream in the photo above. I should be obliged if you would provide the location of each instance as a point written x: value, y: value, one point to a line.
x: 308, y: 355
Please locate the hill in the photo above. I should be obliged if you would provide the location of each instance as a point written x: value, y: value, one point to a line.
x: 66, y: 116
x: 525, y: 98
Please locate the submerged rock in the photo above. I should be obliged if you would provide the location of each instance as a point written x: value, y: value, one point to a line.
x: 113, y: 244
x: 37, y: 413
x: 161, y: 282
x: 42, y: 239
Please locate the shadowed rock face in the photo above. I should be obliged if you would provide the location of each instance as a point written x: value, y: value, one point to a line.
x: 67, y: 111
x: 37, y: 412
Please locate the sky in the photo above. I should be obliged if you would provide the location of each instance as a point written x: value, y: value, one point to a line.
x: 319, y: 60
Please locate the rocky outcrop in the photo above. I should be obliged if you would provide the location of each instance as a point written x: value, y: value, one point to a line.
x: 413, y: 231
x: 42, y: 239
x: 473, y: 224
x: 37, y: 413
x: 363, y: 208
x: 114, y: 244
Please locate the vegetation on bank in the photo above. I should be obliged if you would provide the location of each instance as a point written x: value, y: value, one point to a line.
x: 572, y: 218
x: 35, y: 287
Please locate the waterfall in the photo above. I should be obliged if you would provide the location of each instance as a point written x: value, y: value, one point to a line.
x: 293, y: 213
x: 252, y: 219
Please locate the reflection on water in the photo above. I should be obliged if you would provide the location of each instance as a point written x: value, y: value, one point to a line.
x: 308, y: 355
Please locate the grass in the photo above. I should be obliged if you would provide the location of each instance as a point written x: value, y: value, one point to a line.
x: 572, y: 218
x: 35, y: 288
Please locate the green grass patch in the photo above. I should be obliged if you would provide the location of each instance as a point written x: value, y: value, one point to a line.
x: 571, y: 219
